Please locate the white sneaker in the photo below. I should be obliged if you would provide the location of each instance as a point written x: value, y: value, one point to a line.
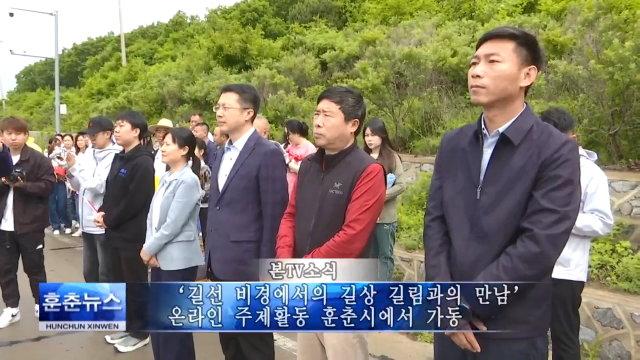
x: 9, y: 316
x: 67, y: 231
x: 37, y: 311
x: 74, y: 224
x: 77, y: 233
x: 56, y: 232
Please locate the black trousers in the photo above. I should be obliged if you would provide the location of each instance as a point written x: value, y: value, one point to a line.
x: 29, y: 246
x: 245, y: 346
x: 127, y: 267
x: 536, y: 348
x: 96, y: 258
x: 176, y: 345
x: 204, y: 212
x: 565, y: 319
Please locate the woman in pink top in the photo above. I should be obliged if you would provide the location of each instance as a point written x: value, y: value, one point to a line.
x: 297, y: 147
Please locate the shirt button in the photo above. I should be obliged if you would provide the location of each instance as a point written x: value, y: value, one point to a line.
x: 217, y: 208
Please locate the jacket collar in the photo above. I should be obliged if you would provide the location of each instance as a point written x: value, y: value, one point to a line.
x: 329, y: 161
x: 25, y: 152
x: 516, y: 131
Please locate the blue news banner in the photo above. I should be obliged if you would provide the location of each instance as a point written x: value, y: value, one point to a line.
x: 270, y: 306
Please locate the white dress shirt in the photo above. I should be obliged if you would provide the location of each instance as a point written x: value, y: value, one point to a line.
x: 231, y: 152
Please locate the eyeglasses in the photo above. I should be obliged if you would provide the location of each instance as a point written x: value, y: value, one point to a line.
x: 225, y: 108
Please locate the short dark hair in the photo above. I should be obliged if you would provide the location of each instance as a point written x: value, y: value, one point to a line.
x: 136, y: 120
x: 528, y: 48
x: 560, y: 119
x: 248, y: 95
x: 204, y: 125
x: 198, y: 114
x: 349, y: 100
x: 14, y: 123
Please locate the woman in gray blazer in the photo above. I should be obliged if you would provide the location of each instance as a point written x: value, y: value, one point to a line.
x: 171, y: 247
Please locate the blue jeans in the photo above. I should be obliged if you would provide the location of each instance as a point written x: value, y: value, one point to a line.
x: 73, y: 206
x: 58, y: 215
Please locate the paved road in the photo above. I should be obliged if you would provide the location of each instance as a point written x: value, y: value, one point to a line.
x: 63, y: 256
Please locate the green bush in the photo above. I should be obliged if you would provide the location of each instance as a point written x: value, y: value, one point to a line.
x: 411, y: 210
x: 409, y: 58
x: 613, y: 261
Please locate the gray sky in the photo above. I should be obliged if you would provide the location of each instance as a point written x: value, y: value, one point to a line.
x: 77, y: 21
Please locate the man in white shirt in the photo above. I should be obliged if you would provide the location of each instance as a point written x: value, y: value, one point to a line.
x: 195, y: 119
x: 572, y: 267
x: 24, y: 205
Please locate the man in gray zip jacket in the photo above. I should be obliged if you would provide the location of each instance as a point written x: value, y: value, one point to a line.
x: 89, y: 176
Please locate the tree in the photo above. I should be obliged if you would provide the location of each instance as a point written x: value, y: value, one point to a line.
x: 409, y: 58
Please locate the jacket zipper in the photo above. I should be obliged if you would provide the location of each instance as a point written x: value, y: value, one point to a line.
x: 315, y: 213
x: 83, y: 192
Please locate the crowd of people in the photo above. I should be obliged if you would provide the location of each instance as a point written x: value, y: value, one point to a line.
x: 513, y: 198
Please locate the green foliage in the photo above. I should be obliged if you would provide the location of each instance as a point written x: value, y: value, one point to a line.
x: 409, y: 57
x: 614, y: 263
x: 411, y: 210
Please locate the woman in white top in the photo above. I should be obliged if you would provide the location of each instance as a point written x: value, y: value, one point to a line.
x: 68, y: 143
x: 171, y: 247
x: 80, y: 149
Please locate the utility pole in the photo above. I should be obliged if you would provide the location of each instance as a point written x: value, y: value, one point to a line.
x: 56, y: 61
x: 123, y: 48
x: 4, y: 104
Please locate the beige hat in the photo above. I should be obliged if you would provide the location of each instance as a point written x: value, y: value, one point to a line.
x: 163, y: 123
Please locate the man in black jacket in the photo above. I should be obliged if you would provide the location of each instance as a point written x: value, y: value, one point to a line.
x: 128, y: 195
x: 504, y: 197
x: 24, y: 205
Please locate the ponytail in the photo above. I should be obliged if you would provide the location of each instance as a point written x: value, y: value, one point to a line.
x: 195, y: 164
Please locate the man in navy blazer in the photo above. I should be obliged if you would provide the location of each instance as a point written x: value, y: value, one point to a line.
x: 247, y: 201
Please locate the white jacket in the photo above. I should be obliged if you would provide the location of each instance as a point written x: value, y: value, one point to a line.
x: 89, y: 176
x: 594, y: 219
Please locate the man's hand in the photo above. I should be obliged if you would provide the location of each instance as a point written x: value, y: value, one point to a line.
x: 17, y: 184
x: 99, y: 220
x: 71, y: 159
x: 465, y: 338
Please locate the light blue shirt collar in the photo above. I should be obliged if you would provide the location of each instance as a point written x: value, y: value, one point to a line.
x: 501, y: 129
x: 241, y: 142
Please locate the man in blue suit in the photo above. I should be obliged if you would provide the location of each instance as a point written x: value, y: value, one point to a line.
x: 247, y: 201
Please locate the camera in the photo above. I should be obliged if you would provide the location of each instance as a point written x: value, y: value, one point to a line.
x: 16, y: 176
x: 59, y: 155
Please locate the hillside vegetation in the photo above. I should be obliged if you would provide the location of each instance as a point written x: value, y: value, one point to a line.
x: 409, y: 58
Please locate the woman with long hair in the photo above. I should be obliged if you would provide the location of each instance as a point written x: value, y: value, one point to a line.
x: 68, y: 143
x: 80, y: 144
x: 171, y: 246
x: 383, y: 238
x: 205, y: 185
x: 296, y: 134
x: 81, y: 147
x: 58, y: 214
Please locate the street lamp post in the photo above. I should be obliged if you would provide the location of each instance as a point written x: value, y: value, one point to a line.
x: 4, y: 104
x: 123, y: 49
x: 56, y: 60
